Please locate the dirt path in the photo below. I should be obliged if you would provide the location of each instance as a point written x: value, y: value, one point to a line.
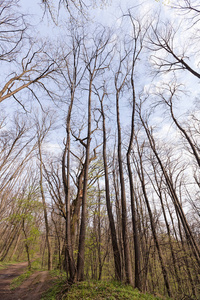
x: 31, y: 289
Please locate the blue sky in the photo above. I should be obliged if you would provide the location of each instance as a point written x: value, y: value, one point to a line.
x: 109, y: 16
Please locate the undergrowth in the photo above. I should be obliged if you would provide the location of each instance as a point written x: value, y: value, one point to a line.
x: 95, y: 290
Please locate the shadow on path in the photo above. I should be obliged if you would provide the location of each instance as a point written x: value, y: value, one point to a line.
x: 31, y: 289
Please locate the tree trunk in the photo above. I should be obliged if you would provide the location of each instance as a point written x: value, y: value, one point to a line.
x: 174, y: 197
x: 128, y: 270
x: 164, y: 271
x: 133, y: 210
x: 44, y: 206
x: 66, y: 183
x: 81, y: 248
x: 26, y: 246
x: 76, y: 207
x: 117, y: 259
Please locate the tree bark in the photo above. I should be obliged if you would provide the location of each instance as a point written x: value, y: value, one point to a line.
x: 81, y: 248
x: 44, y: 206
x: 128, y: 270
x: 133, y: 210
x: 117, y: 259
x: 66, y: 183
x: 141, y: 177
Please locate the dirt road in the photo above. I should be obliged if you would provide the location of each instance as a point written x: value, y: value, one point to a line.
x: 31, y: 289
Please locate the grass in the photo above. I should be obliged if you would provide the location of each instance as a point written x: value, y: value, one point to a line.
x: 58, y: 286
x: 95, y: 290
x: 4, y: 265
x: 36, y: 265
x: 16, y: 282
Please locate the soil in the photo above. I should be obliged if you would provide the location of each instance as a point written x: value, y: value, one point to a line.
x: 31, y: 289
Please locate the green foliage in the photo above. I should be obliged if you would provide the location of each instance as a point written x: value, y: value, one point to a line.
x: 16, y: 282
x: 97, y: 290
x: 36, y: 265
x: 58, y: 273
x: 34, y: 233
x: 29, y: 208
x: 58, y: 286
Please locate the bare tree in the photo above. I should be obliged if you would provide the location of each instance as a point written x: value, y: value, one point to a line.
x: 120, y: 81
x: 167, y: 55
x: 74, y: 8
x: 174, y: 196
x: 24, y: 60
x: 73, y: 79
x: 43, y: 129
x: 140, y: 171
x: 96, y: 61
x: 136, y: 41
x: 189, y: 9
x: 117, y: 258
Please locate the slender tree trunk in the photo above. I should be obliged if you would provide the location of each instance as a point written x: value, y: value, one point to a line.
x: 128, y: 270
x: 174, y: 198
x: 164, y: 271
x: 44, y: 207
x: 66, y: 183
x: 76, y: 207
x: 9, y: 242
x: 185, y: 258
x: 16, y: 246
x: 58, y: 240
x: 81, y: 248
x: 187, y: 137
x: 43, y: 252
x: 117, y: 259
x: 99, y: 232
x: 26, y: 246
x: 119, y: 221
x: 133, y: 210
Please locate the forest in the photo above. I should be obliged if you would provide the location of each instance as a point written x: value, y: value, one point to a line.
x: 99, y: 151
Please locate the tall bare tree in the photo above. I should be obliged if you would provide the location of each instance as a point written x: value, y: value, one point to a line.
x: 120, y: 82
x: 42, y: 131
x: 116, y: 252
x: 96, y: 61
x: 72, y: 79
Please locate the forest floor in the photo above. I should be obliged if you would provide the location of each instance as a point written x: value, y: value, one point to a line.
x: 32, y: 288
x: 42, y: 285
